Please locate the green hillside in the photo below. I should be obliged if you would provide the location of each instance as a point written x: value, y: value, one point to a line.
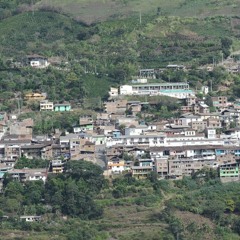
x: 198, y: 207
x: 97, y: 10
x: 110, y: 52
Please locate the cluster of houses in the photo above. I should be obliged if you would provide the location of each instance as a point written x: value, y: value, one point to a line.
x: 175, y: 147
x: 46, y: 105
x: 172, y: 148
x: 122, y: 142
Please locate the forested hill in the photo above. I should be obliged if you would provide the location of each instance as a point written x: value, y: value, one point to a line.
x: 97, y: 54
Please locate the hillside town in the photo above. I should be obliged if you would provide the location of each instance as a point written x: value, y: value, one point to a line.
x: 120, y: 142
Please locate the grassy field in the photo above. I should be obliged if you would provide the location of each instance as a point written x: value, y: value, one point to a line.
x: 95, y: 10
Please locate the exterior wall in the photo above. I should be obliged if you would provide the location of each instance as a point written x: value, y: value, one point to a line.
x: 198, y: 125
x: 229, y: 171
x: 12, y: 152
x: 47, y: 152
x: 177, y: 90
x: 190, y: 101
x: 42, y: 177
x: 34, y: 97
x: 99, y: 139
x: 220, y: 101
x: 187, y: 121
x: 116, y: 166
x: 38, y: 63
x: 114, y: 107
x: 113, y: 92
x: 46, y: 106
x: 161, y: 166
x: 31, y: 218
x: 211, y: 133
x: 186, y: 109
x: 186, y: 167
x: 141, y: 172
x: 126, y: 90
x: 62, y: 108
x: 135, y: 131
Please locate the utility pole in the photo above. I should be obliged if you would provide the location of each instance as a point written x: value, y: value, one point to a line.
x: 32, y: 7
x: 140, y: 17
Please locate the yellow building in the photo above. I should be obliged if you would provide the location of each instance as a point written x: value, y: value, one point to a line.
x: 34, y: 96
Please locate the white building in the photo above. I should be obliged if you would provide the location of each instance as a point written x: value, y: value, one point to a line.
x: 37, y: 61
x: 45, y: 105
x: 129, y: 131
x: 138, y: 140
x: 113, y: 92
x: 140, y: 80
x: 205, y: 90
x: 31, y: 218
x: 176, y: 90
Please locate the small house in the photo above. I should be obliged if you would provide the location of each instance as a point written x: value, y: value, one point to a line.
x: 63, y: 107
x: 37, y: 61
x: 31, y: 218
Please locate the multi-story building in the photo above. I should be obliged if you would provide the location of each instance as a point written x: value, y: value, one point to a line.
x: 177, y: 90
x: 138, y: 140
x: 57, y: 166
x: 116, y: 165
x: 220, y: 102
x: 46, y: 105
x: 187, y: 166
x: 39, y: 151
x: 25, y: 174
x: 229, y: 172
x: 115, y: 106
x: 145, y: 167
x: 161, y: 166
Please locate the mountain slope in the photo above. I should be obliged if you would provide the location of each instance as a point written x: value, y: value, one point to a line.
x: 99, y: 10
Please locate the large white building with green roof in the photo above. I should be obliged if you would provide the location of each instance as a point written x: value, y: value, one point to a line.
x: 177, y: 90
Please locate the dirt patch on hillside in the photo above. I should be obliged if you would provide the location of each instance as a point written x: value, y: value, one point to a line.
x: 196, y: 226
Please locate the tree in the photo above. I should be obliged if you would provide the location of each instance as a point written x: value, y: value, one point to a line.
x: 33, y: 192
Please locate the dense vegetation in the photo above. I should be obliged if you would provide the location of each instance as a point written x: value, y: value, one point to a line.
x: 71, y: 193
x: 81, y: 204
x: 24, y: 162
x: 94, y: 57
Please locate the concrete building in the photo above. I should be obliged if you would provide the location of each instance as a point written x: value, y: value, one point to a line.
x: 113, y: 93
x: 220, y: 102
x: 229, y: 172
x: 116, y: 165
x: 37, y: 151
x: 63, y: 107
x: 115, y: 106
x: 57, y: 166
x: 46, y: 105
x: 31, y: 218
x: 22, y: 128
x: 176, y: 90
x: 144, y: 169
x: 35, y: 96
x: 187, y: 166
x: 37, y: 61
x: 26, y: 174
